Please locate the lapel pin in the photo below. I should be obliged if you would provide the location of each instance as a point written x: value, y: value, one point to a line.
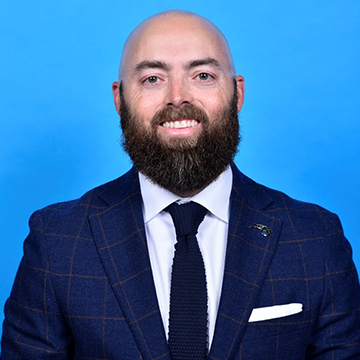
x: 264, y: 230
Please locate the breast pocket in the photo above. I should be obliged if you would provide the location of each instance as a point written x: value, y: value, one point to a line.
x: 277, y: 326
x: 282, y: 339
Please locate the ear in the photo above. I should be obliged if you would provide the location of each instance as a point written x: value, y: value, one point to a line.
x: 240, y: 85
x: 116, y: 95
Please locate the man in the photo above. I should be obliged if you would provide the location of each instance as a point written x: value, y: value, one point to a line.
x: 96, y: 278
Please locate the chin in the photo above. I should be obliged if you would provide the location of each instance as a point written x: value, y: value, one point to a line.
x: 179, y: 142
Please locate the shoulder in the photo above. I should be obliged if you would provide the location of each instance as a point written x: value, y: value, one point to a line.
x: 299, y: 217
x: 307, y: 229
x: 65, y: 214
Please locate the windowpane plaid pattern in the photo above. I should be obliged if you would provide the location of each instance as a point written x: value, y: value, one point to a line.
x: 84, y: 289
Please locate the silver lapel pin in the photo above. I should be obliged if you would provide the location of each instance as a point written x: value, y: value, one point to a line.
x: 264, y: 230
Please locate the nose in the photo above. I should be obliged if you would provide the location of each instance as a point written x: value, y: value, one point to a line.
x: 178, y: 93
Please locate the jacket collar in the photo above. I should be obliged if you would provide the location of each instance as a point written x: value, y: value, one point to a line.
x: 119, y: 235
x: 248, y: 259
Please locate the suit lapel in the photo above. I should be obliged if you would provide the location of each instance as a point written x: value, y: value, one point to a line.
x: 248, y: 258
x: 120, y: 238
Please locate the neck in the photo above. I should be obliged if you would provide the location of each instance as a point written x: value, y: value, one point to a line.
x: 187, y: 194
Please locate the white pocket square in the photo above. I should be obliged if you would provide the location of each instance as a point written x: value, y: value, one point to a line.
x: 274, y: 312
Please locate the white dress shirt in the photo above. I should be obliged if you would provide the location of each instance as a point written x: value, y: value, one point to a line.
x: 212, y: 239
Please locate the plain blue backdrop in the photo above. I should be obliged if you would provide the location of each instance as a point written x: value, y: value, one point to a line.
x: 59, y: 132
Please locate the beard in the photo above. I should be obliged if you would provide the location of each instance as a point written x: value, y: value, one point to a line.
x: 182, y: 165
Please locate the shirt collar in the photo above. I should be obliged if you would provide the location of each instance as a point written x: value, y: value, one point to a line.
x: 215, y: 197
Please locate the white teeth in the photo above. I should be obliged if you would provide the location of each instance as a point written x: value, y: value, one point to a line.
x: 179, y: 124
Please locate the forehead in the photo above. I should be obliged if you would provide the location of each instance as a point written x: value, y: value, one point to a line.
x: 176, y: 40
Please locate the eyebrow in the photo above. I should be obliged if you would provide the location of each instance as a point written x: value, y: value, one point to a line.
x: 156, y: 64
x: 206, y: 61
x: 151, y: 64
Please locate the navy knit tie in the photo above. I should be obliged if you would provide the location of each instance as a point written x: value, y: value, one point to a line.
x: 188, y: 320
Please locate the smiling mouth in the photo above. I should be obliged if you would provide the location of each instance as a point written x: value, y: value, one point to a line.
x: 180, y: 124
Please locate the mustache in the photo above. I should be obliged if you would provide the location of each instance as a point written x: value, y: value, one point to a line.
x: 186, y: 112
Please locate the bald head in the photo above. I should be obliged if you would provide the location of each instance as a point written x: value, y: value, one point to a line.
x: 174, y: 32
x: 175, y: 58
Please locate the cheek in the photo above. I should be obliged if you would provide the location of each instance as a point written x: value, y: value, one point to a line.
x: 145, y: 105
x: 213, y: 100
x: 212, y: 106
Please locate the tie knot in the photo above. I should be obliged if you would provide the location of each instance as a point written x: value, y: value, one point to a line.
x: 186, y: 217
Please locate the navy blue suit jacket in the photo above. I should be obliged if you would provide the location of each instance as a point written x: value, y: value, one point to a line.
x: 84, y: 289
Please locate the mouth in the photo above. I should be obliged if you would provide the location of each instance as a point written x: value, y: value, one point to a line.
x: 180, y: 124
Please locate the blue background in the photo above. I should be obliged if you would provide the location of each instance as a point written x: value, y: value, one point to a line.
x: 59, y: 132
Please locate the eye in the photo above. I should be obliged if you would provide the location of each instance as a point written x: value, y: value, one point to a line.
x: 204, y: 76
x: 152, y: 79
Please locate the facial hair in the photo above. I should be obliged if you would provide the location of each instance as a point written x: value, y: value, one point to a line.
x: 182, y: 165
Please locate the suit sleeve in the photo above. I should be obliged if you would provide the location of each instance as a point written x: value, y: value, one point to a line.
x: 34, y: 327
x: 337, y: 331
